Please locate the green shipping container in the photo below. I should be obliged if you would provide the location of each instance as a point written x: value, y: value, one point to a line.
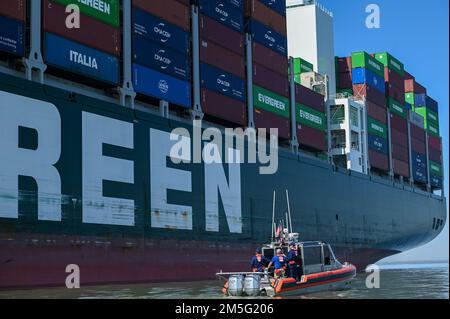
x: 376, y: 128
x: 271, y: 102
x: 107, y: 11
x: 409, y: 98
x: 390, y: 62
x: 345, y: 92
x: 302, y: 66
x: 365, y: 60
x: 396, y: 108
x: 430, y: 117
x: 432, y: 129
x: 435, y: 168
x: 310, y: 117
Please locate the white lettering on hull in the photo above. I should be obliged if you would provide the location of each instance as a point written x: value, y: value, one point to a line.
x: 98, y: 209
x: 19, y: 111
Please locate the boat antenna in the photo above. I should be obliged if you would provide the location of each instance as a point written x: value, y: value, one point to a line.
x: 273, y: 217
x: 287, y: 222
x: 289, y: 209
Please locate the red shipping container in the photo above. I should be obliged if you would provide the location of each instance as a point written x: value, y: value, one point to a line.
x: 379, y: 161
x: 408, y: 76
x: 377, y: 112
x: 418, y: 133
x: 345, y: 80
x: 418, y: 146
x: 270, y: 59
x: 270, y: 80
x: 172, y: 11
x: 401, y: 168
x: 213, y: 31
x: 394, y: 78
x: 409, y: 85
x: 372, y: 95
x: 419, y: 89
x: 399, y: 138
x: 262, y: 13
x: 312, y: 138
x: 344, y: 64
x: 267, y: 120
x: 307, y: 97
x: 222, y: 58
x: 224, y: 108
x: 434, y: 142
x: 395, y: 92
x: 400, y: 153
x: 398, y: 123
x: 435, y: 155
x: 54, y: 21
x: 14, y: 9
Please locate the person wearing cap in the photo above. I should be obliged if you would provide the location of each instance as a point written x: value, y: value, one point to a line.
x: 292, y: 260
x: 279, y: 262
x: 259, y: 262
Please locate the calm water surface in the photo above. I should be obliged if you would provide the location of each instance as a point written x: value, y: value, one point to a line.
x: 428, y: 281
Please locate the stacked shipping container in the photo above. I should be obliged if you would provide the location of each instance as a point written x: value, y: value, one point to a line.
x: 394, y: 75
x: 12, y: 27
x: 418, y: 149
x: 368, y: 83
x: 78, y: 49
x: 431, y: 119
x: 222, y: 60
x: 344, y: 83
x: 266, y: 22
x: 301, y: 66
x: 161, y: 50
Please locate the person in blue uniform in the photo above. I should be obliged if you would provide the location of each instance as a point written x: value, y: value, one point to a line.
x: 279, y: 262
x: 292, y: 260
x: 259, y: 262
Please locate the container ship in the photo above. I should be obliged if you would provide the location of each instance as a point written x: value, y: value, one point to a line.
x: 92, y: 90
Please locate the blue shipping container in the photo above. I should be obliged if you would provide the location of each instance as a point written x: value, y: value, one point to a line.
x: 222, y: 82
x: 161, y: 86
x: 420, y: 175
x: 74, y: 57
x: 161, y: 58
x: 160, y: 31
x: 432, y: 104
x: 420, y: 100
x: 223, y: 12
x: 276, y: 5
x: 378, y: 144
x: 365, y: 76
x: 267, y: 37
x: 436, y: 181
x: 236, y: 3
x: 12, y: 37
x: 419, y: 160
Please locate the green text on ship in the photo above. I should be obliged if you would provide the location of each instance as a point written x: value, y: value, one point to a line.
x: 98, y: 5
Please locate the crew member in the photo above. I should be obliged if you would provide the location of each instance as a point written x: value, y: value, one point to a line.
x: 292, y: 260
x: 259, y: 262
x: 279, y: 262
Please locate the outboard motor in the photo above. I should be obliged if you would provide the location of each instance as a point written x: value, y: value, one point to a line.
x: 236, y: 285
x: 252, y: 285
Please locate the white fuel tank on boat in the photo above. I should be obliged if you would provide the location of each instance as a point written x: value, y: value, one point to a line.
x: 236, y: 285
x: 252, y: 285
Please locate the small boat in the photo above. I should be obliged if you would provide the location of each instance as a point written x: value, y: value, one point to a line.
x: 319, y: 271
x: 316, y: 265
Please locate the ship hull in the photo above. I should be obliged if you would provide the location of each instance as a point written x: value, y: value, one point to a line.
x: 95, y: 188
x: 41, y: 260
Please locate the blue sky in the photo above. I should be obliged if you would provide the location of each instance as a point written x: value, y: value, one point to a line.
x: 415, y: 32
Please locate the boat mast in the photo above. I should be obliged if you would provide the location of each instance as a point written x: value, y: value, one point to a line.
x: 273, y: 218
x: 289, y: 209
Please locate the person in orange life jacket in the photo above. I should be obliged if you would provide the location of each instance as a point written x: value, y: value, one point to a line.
x: 279, y: 261
x: 292, y: 260
x: 259, y: 262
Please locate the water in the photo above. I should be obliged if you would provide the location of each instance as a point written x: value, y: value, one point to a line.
x: 423, y: 281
